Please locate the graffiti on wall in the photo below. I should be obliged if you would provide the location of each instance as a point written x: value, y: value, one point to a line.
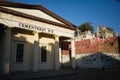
x: 98, y: 60
x: 90, y: 60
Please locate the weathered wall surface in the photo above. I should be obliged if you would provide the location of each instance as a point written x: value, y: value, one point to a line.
x: 97, y: 60
x: 2, y: 46
x: 96, y: 53
x: 66, y: 61
x: 65, y: 57
x: 110, y: 46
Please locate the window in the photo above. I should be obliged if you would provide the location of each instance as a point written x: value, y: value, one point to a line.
x: 19, y: 52
x: 43, y: 54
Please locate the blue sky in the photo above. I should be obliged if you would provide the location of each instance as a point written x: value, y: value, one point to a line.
x: 98, y: 12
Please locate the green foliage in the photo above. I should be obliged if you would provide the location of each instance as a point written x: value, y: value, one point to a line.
x: 86, y: 27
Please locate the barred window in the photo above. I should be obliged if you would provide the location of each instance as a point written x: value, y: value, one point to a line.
x: 43, y: 54
x: 19, y: 52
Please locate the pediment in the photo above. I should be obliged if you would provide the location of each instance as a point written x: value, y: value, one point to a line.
x: 36, y: 13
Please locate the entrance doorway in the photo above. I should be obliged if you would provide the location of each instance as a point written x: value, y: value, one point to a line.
x: 66, y: 55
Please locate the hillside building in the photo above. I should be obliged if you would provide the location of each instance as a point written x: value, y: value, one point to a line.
x: 103, y: 32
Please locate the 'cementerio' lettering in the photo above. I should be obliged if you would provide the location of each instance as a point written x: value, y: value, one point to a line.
x: 36, y: 28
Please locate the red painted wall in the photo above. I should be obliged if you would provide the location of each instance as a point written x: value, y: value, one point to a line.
x: 91, y: 46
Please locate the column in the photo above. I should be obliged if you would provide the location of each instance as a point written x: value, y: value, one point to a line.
x: 36, y: 52
x: 60, y: 60
x: 57, y: 55
x: 7, y: 51
x: 73, y: 53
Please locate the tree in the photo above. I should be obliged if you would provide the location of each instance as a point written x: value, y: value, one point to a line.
x: 86, y: 27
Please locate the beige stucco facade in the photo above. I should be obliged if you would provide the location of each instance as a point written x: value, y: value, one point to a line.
x: 28, y: 41
x: 32, y: 38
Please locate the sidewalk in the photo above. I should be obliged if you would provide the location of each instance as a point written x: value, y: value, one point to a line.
x: 41, y: 74
x: 83, y: 74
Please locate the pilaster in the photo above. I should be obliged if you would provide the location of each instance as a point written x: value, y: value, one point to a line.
x: 36, y: 52
x: 57, y: 53
x: 73, y: 53
x: 7, y: 51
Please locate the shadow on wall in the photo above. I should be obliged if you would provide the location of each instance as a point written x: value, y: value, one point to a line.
x: 97, y: 60
x: 21, y: 50
x: 119, y: 42
x: 23, y: 61
x: 65, y: 55
x: 93, y: 60
x: 45, y: 57
x: 98, y: 53
x: 2, y: 36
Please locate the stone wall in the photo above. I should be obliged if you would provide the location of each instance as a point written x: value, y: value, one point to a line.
x: 98, y: 60
x: 97, y: 53
x: 88, y: 60
x: 110, y: 46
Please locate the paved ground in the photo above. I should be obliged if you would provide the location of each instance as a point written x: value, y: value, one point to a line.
x: 64, y: 74
x: 88, y: 74
x: 41, y: 74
